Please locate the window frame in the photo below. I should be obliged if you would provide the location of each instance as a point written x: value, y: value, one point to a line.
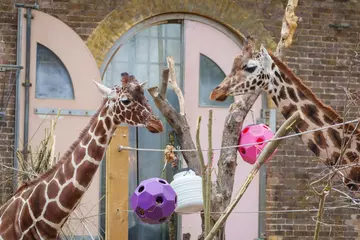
x: 68, y: 97
x: 200, y: 105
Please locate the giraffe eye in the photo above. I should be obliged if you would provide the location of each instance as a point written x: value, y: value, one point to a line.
x: 250, y: 69
x: 125, y: 101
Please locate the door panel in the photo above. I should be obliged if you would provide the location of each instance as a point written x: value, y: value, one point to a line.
x: 77, y: 60
x: 144, y: 56
x: 204, y: 40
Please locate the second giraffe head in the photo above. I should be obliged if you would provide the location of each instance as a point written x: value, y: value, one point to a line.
x: 128, y: 104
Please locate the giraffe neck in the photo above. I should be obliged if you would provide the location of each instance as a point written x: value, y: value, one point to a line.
x: 69, y: 183
x: 39, y: 210
x: 291, y: 95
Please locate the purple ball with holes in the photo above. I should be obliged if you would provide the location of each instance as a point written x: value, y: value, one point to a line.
x: 154, y: 200
x: 256, y: 133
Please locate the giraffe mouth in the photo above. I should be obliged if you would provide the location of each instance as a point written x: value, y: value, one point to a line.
x: 218, y: 94
x: 155, y: 126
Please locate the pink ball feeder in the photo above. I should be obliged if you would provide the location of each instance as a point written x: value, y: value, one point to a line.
x: 256, y: 133
x: 154, y: 201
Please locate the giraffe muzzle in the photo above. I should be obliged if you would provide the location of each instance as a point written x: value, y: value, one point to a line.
x: 155, y: 126
x: 218, y: 94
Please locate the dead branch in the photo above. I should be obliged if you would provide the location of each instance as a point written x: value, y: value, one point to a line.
x: 208, y: 177
x: 174, y: 85
x: 265, y: 154
x: 176, y: 120
x: 201, y: 159
x: 288, y: 28
x: 324, y: 193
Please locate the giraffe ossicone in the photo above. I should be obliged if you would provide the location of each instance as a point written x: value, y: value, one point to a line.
x: 39, y: 208
x: 337, y: 147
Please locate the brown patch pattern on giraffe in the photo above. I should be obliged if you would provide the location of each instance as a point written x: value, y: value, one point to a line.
x: 96, y: 152
x: 53, y: 189
x: 353, y: 179
x: 292, y: 94
x: 84, y: 173
x: 313, y: 147
x: 46, y: 230
x: 37, y: 200
x: 334, y: 137
x: 54, y: 214
x: 282, y: 94
x: 320, y: 139
x: 312, y: 113
x: 302, y: 125
x: 352, y: 156
x: 333, y: 159
x: 301, y: 95
x: 25, y: 217
x: 79, y: 154
x: 287, y: 111
x: 70, y: 190
x: 32, y: 234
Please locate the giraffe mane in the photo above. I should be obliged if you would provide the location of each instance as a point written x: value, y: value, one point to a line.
x: 334, y: 116
x: 66, y: 155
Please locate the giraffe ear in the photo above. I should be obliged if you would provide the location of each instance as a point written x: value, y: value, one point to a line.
x: 105, y: 91
x: 142, y: 85
x: 267, y: 59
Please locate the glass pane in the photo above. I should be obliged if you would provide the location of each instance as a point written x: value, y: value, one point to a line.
x: 142, y: 49
x: 173, y: 30
x: 211, y: 75
x: 173, y: 49
x: 52, y: 78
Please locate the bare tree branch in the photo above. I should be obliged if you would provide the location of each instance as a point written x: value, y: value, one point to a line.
x: 288, y: 28
x: 176, y: 120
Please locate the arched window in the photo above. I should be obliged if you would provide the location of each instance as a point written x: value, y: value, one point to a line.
x: 211, y: 75
x: 52, y: 78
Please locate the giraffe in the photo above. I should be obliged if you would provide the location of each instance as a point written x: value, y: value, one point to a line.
x: 337, y: 147
x: 39, y: 208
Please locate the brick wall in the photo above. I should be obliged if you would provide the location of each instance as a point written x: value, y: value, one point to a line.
x: 317, y: 55
x: 321, y: 56
x: 8, y: 26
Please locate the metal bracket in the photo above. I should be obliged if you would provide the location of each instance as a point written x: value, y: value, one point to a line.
x: 26, y: 84
x: 31, y: 6
x: 63, y: 112
x: 264, y: 116
x: 340, y: 26
x: 5, y: 67
x: 268, y: 117
x: 26, y: 15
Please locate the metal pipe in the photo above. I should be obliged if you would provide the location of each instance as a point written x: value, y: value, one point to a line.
x: 17, y: 93
x: 262, y: 177
x: 9, y: 66
x: 27, y: 83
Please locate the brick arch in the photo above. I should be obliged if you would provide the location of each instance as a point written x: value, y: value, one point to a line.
x: 133, y: 12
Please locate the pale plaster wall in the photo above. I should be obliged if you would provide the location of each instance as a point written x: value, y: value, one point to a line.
x: 73, y: 52
x: 204, y: 39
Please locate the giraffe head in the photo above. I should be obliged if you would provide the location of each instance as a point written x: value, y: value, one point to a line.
x: 250, y: 71
x: 128, y: 104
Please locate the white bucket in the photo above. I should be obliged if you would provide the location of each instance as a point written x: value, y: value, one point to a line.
x: 188, y: 187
